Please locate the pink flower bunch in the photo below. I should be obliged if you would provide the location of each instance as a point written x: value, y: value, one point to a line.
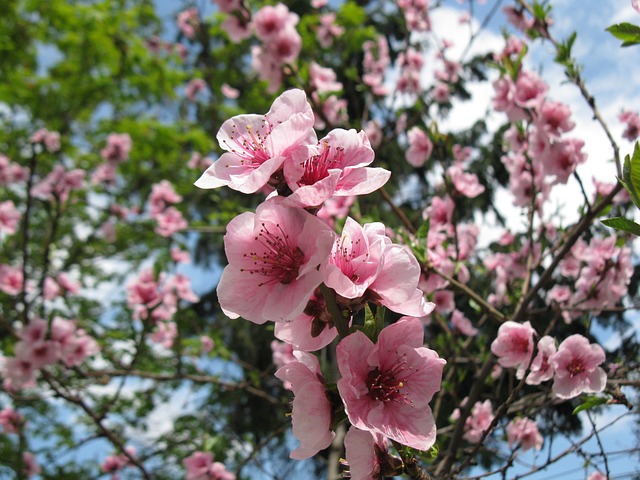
x: 11, y: 280
x: 275, y: 27
x: 188, y: 22
x: 194, y: 87
x: 50, y: 140
x: 525, y: 432
x: 10, y: 420
x: 420, y: 147
x: 323, y: 79
x: 59, y: 184
x: 602, y: 271
x: 36, y: 350
x: 416, y: 14
x: 114, y: 463
x: 632, y: 125
x: 328, y: 30
x: 375, y: 63
x: 61, y: 285
x: 158, y: 301
x: 118, y: 148
x: 9, y: 217
x: 200, y: 466
x: 367, y: 456
x: 170, y: 219
x: 479, y: 421
x: 11, y: 172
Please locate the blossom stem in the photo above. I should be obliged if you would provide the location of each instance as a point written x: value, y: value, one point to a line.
x: 339, y: 320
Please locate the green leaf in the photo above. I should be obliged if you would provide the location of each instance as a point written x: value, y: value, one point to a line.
x: 370, y: 329
x: 624, y: 224
x: 589, y: 403
x: 627, y: 32
x: 631, y: 175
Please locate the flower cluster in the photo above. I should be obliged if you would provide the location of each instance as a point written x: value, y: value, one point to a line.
x: 313, y: 283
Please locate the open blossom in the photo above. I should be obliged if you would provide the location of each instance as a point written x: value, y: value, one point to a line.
x: 367, y: 456
x: 257, y: 145
x: 162, y: 195
x: 311, y: 409
x: 188, y: 21
x: 420, y: 147
x: 365, y: 263
x: 118, y: 147
x: 514, y: 345
x: 465, y: 183
x: 632, y: 122
x: 194, y: 87
x: 525, y: 432
x: 336, y: 165
x: 9, y: 217
x: 30, y: 464
x: 463, y: 324
x: 576, y: 365
x: 386, y: 387
x: 273, y: 258
x: 10, y: 420
x: 271, y: 20
x: 541, y: 368
x: 170, y: 222
x: 479, y: 421
x: 200, y: 466
x: 328, y: 30
x: 323, y: 79
x: 50, y: 140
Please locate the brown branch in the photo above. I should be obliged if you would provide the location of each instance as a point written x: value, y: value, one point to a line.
x: 230, y: 386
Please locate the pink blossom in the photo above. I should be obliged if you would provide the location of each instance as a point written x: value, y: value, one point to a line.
x: 9, y: 217
x: 10, y: 420
x: 463, y: 324
x: 636, y: 5
x: 270, y: 21
x: 162, y: 195
x: 274, y: 254
x: 311, y: 409
x: 257, y: 145
x: 420, y: 147
x: 170, y: 222
x: 465, y: 183
x: 18, y: 373
x: 366, y: 454
x: 58, y: 184
x: 441, y: 92
x: 632, y: 121
x: 282, y: 353
x: 206, y: 344
x: 514, y: 345
x: 180, y: 256
x: 228, y: 6
x: 198, y: 162
x: 236, y: 28
x: 576, y: 368
x: 386, y: 387
x: 375, y: 63
x: 328, y: 30
x: 104, y: 173
x: 51, y: 140
x: 598, y: 475
x: 554, y: 118
x: 11, y: 172
x: 479, y: 421
x: 541, y: 368
x: 229, y: 91
x: 30, y: 464
x: 269, y: 68
x: 373, y: 130
x: 165, y: 333
x: 200, y: 466
x: 364, y: 260
x: 310, y: 331
x: 518, y: 19
x: 194, y: 87
x: 525, y: 432
x: 337, y: 165
x: 118, y: 147
x: 323, y: 79
x: 188, y: 21
x: 11, y: 279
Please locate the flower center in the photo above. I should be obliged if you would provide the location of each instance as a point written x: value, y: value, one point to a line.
x: 251, y: 146
x: 386, y: 386
x: 344, y: 252
x: 279, y: 260
x: 576, y: 367
x: 317, y: 167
